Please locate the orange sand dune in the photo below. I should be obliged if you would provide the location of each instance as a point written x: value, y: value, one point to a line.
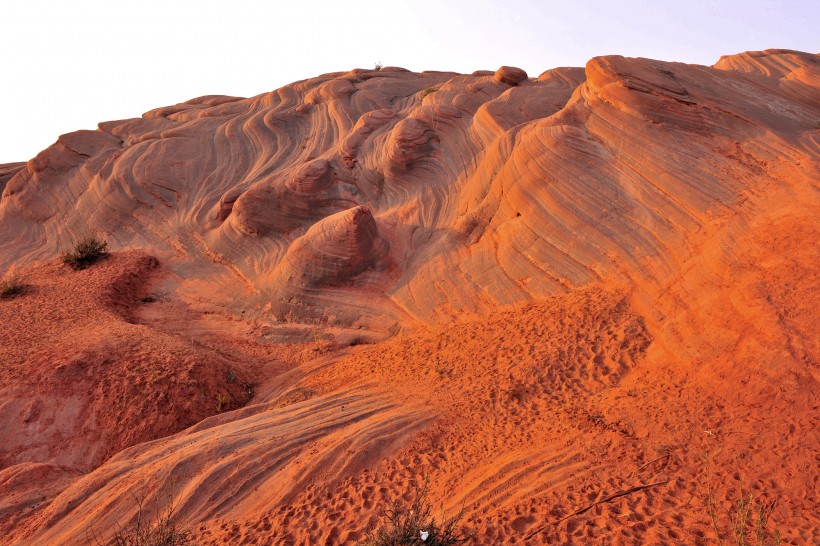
x: 557, y: 297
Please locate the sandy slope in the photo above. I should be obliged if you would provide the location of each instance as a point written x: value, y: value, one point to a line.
x: 581, y: 287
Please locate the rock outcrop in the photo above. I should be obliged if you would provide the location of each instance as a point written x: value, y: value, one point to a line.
x: 552, y: 295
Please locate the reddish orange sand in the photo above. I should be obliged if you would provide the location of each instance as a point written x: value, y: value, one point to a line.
x: 556, y: 297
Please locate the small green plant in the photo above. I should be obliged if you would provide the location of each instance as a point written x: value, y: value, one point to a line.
x: 12, y: 286
x: 747, y: 515
x: 86, y: 253
x: 762, y: 513
x: 414, y: 525
x: 426, y: 91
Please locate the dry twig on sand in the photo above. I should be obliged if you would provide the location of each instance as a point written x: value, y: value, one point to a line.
x: 596, y: 503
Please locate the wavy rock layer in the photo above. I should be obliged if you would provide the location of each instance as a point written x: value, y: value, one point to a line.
x: 589, y: 279
x: 489, y: 189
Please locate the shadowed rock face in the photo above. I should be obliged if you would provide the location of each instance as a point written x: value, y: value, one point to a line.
x: 7, y: 171
x: 281, y: 205
x: 333, y: 251
x: 485, y: 189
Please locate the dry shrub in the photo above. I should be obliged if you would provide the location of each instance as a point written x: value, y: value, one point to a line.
x: 86, y: 253
x: 12, y: 286
x: 413, y: 524
x: 162, y: 530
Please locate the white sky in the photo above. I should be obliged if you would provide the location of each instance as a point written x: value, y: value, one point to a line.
x: 68, y: 65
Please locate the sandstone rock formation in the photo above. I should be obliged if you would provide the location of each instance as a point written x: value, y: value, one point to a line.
x: 579, y: 284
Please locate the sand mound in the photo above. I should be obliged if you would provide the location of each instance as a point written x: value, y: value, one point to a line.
x: 81, y: 380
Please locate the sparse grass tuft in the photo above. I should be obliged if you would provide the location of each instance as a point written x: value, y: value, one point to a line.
x: 12, y: 286
x: 426, y: 91
x: 413, y: 525
x: 358, y: 340
x: 749, y: 517
x: 378, y: 65
x: 86, y: 253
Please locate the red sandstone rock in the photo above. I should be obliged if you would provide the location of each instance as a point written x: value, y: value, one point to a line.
x: 510, y: 75
x: 539, y: 295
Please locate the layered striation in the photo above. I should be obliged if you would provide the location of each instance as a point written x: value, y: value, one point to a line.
x: 486, y: 189
x: 589, y: 279
x: 489, y: 189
